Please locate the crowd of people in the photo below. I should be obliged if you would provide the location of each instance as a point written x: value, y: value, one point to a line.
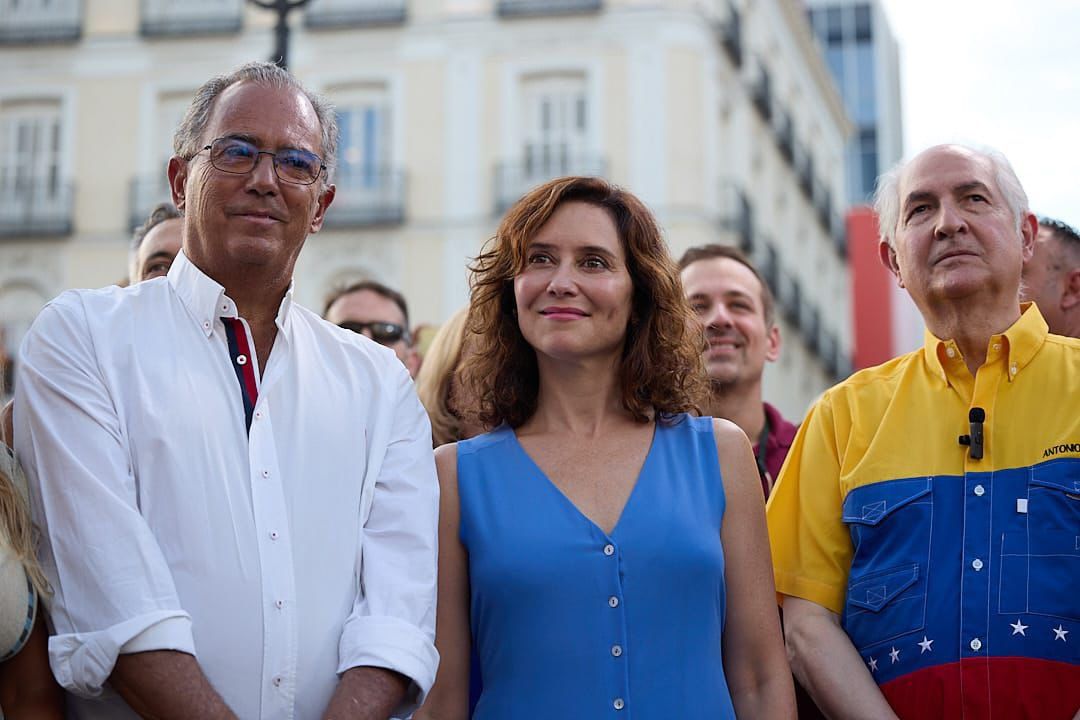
x: 575, y: 505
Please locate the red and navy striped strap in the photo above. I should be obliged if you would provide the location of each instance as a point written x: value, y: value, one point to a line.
x: 244, y: 365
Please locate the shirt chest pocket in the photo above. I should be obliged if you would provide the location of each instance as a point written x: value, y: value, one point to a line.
x: 1040, y: 566
x: 889, y: 524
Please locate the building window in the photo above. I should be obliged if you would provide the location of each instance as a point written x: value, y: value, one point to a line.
x: 370, y: 189
x: 863, y: 31
x: 868, y: 160
x: 556, y: 115
x: 190, y: 17
x: 331, y: 14
x: 28, y: 21
x: 152, y: 186
x: 34, y: 197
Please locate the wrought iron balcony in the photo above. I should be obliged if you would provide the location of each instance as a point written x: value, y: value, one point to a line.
x: 192, y: 17
x: 830, y: 354
x: 514, y: 179
x: 330, y: 14
x: 367, y: 196
x: 823, y: 204
x: 36, y: 22
x: 729, y: 33
x: 789, y: 297
x: 146, y: 193
x: 804, y: 168
x: 737, y: 215
x: 41, y: 206
x: 810, y: 325
x: 535, y: 8
x: 761, y: 91
x: 784, y: 132
x: 838, y: 233
x: 769, y: 267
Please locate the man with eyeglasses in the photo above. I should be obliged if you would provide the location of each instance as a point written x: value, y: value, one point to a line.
x: 237, y: 500
x: 378, y: 312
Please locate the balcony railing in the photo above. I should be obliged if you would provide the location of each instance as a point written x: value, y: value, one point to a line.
x: 830, y: 354
x: 838, y: 233
x: 789, y: 296
x: 190, y: 17
x: 810, y: 324
x: 533, y: 8
x: 737, y: 215
x: 367, y: 197
x: 514, y: 179
x: 330, y: 14
x: 761, y: 91
x: 784, y: 132
x: 804, y: 168
x: 822, y: 204
x: 729, y: 33
x: 145, y: 194
x: 39, y: 207
x: 41, y: 22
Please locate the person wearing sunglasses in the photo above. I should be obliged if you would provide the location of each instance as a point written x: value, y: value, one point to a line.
x: 378, y: 312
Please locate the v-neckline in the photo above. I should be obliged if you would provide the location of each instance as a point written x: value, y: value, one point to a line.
x: 634, y: 491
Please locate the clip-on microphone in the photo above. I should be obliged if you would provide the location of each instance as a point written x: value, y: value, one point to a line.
x: 976, y: 418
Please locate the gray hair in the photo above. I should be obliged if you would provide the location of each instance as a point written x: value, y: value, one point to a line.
x: 188, y: 137
x: 887, y: 194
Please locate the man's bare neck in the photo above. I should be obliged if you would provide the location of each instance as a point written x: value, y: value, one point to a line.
x: 970, y: 325
x: 741, y: 404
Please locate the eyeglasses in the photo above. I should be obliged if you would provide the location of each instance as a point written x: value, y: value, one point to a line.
x: 384, y: 333
x: 291, y: 165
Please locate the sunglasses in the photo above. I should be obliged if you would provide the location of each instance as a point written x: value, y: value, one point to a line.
x: 384, y: 333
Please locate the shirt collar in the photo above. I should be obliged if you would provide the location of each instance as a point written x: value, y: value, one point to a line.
x: 1017, y: 345
x: 205, y: 298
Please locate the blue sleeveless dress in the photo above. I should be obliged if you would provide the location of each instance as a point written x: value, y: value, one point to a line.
x: 570, y: 623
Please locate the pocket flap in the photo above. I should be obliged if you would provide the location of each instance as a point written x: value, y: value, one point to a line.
x: 1061, y: 475
x: 870, y: 504
x: 876, y: 591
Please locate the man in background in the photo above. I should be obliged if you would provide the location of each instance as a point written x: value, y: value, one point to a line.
x: 155, y: 243
x: 1052, y: 276
x: 379, y: 312
x: 737, y: 310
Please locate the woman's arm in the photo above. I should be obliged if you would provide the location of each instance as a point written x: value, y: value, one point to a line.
x: 27, y: 687
x: 757, y: 672
x: 449, y: 698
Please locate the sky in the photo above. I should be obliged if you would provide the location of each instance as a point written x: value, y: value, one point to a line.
x: 1004, y: 73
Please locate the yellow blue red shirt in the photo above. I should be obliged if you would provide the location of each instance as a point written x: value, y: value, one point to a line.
x: 957, y: 579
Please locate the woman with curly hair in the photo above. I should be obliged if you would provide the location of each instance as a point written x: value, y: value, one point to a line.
x: 602, y: 552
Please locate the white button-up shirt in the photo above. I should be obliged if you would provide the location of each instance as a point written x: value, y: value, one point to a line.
x: 280, y: 555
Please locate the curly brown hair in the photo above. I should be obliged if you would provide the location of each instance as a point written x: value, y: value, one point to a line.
x: 661, y: 372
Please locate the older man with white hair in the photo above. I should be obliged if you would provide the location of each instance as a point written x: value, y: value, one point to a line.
x: 925, y: 527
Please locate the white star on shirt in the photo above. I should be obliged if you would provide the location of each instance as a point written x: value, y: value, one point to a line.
x: 925, y: 645
x: 1060, y: 633
x: 895, y: 655
x: 873, y: 665
x: 1019, y: 628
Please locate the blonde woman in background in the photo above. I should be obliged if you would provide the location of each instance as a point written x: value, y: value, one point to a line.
x: 27, y: 688
x: 438, y: 386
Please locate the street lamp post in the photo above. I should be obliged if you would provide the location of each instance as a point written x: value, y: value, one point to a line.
x: 281, y: 30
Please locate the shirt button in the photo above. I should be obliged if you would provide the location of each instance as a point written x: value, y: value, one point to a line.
x: 258, y: 416
x: 279, y: 604
x: 618, y: 704
x: 609, y: 549
x: 273, y: 535
x: 266, y: 473
x: 950, y: 352
x: 616, y: 650
x: 997, y: 346
x: 977, y: 564
x: 206, y: 325
x: 276, y: 681
x: 241, y: 359
x: 1012, y: 369
x: 980, y: 490
x: 976, y: 644
x: 224, y: 307
x: 613, y: 601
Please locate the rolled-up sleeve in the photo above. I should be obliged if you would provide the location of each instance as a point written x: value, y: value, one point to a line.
x: 112, y: 589
x: 392, y: 623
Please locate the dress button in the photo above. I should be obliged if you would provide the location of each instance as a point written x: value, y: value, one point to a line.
x: 241, y: 359
x: 977, y: 564
x: 609, y: 549
x: 613, y: 601
x: 976, y: 644
x: 618, y: 704
x: 980, y: 490
x: 616, y: 650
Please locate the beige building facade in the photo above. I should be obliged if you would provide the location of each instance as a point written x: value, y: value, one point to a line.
x: 720, y: 115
